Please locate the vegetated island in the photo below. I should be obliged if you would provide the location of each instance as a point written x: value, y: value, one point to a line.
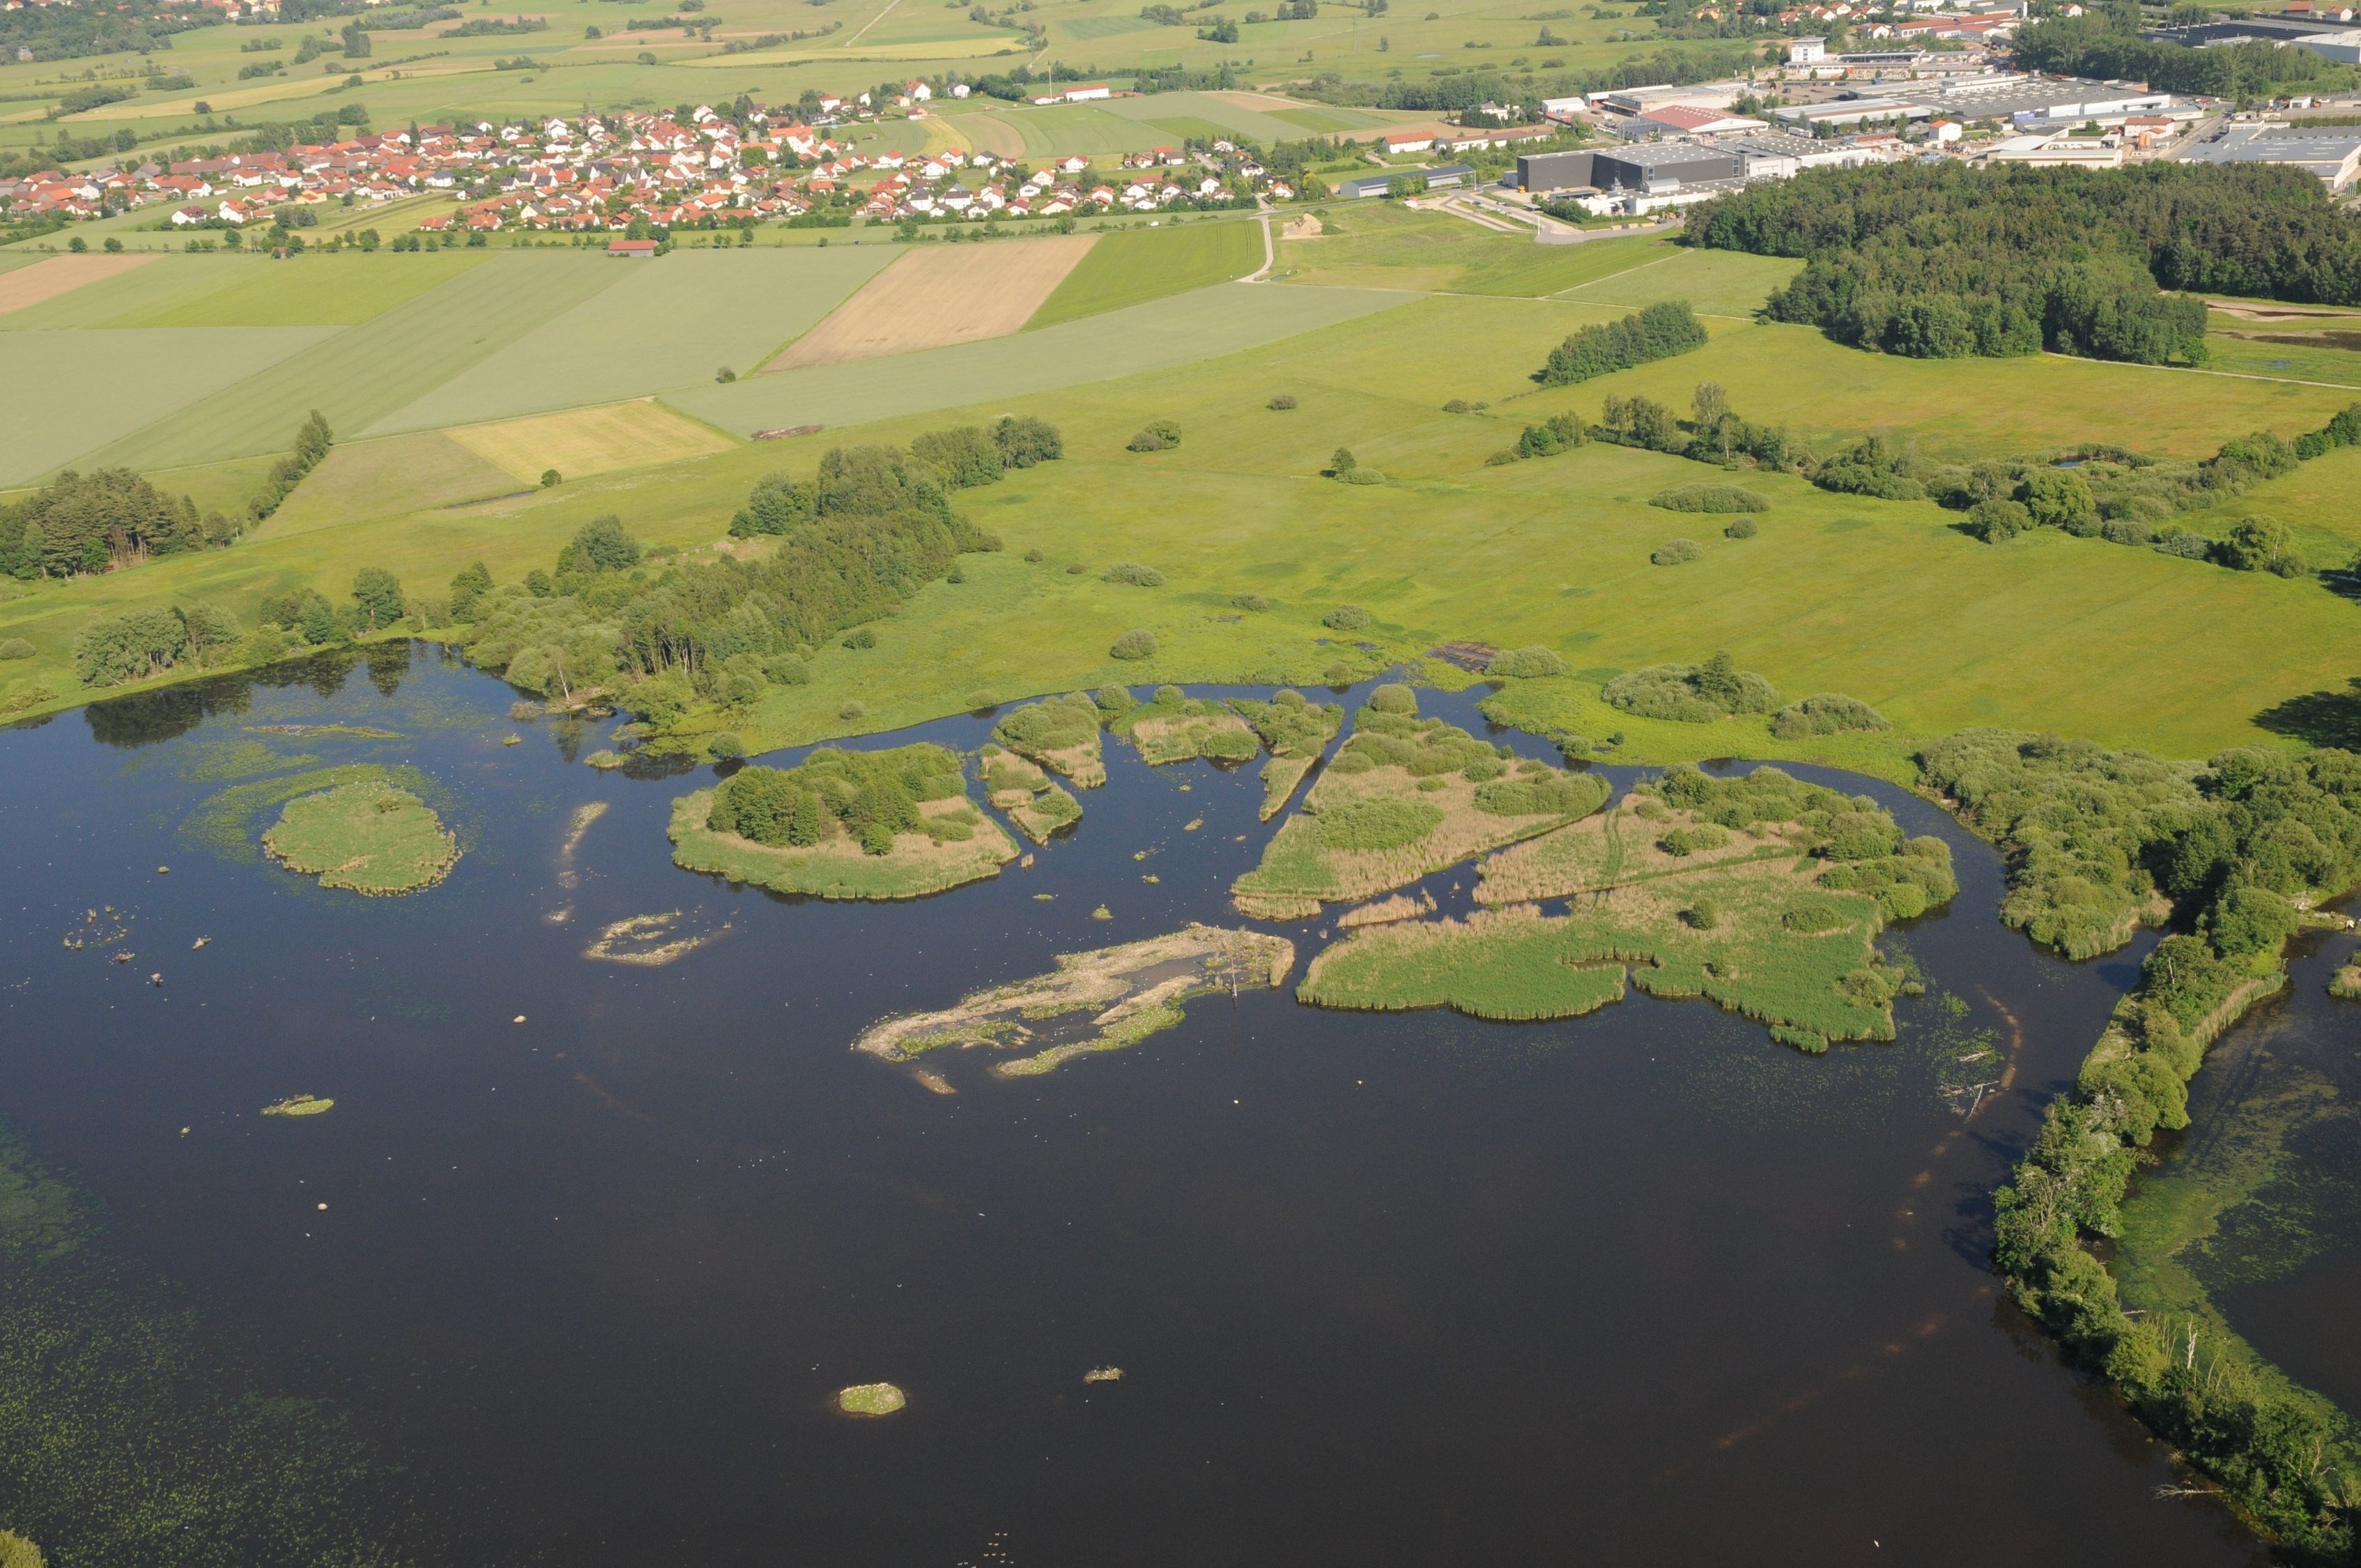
x: 1061, y: 733
x: 871, y: 1399
x: 648, y: 941
x: 1099, y: 1000
x: 1173, y: 727
x: 371, y: 837
x: 889, y: 824
x: 298, y: 1105
x: 1297, y: 730
x: 1405, y: 796
x: 2346, y: 981
x: 1017, y: 785
x: 1761, y: 893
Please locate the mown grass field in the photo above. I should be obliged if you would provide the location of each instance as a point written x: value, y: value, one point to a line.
x: 1135, y: 265
x: 340, y: 289
x: 1888, y: 602
x: 654, y: 325
x: 583, y: 442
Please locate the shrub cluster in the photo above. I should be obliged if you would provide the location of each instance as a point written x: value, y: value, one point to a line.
x: 1825, y: 714
x: 312, y: 444
x: 1674, y: 552
x: 1346, y: 618
x: 1559, y: 432
x: 875, y: 479
x: 1053, y: 724
x: 1134, y: 573
x: 1157, y: 435
x: 1711, y: 498
x: 1694, y: 694
x: 1867, y: 851
x: 1525, y: 663
x: 873, y: 794
x: 144, y: 642
x: 1659, y: 331
x: 1136, y: 643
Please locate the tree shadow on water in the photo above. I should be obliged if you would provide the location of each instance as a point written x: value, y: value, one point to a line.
x: 2323, y: 717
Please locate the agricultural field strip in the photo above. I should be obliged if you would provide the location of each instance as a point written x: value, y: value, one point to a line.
x: 62, y: 394
x: 59, y: 275
x: 1200, y: 325
x: 364, y: 373
x: 669, y: 323
x: 590, y: 441
x: 936, y: 295
x: 100, y: 300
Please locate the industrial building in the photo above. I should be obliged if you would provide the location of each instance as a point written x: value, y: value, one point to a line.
x: 1442, y: 179
x: 2333, y: 153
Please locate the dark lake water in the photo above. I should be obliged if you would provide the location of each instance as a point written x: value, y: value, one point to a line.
x: 1641, y: 1287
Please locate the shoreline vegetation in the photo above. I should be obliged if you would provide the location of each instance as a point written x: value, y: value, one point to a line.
x: 1761, y: 894
x: 1092, y: 1002
x: 2233, y: 852
x: 1405, y: 796
x: 370, y: 837
x: 1017, y: 786
x: 844, y: 825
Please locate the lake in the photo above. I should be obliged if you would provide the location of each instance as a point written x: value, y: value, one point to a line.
x: 1640, y: 1287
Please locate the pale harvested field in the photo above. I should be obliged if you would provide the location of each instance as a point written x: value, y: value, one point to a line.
x: 590, y: 440
x: 63, y: 274
x: 941, y: 294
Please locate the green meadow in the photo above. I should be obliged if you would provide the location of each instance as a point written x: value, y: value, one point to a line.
x: 1890, y: 602
x: 1133, y: 266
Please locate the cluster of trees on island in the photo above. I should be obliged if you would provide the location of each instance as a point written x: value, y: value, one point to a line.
x: 1947, y: 261
x: 2100, y: 842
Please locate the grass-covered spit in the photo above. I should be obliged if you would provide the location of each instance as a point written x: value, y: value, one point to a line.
x: 1405, y: 796
x: 1062, y: 733
x: 1297, y: 730
x: 890, y: 824
x: 1100, y: 1001
x: 1020, y: 788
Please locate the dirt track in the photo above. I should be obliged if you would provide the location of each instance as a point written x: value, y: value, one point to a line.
x: 939, y: 294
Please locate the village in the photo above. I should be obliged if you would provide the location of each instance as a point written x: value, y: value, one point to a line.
x: 637, y: 171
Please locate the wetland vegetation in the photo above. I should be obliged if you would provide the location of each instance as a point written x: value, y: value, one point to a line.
x: 889, y: 824
x: 1128, y: 993
x: 370, y: 835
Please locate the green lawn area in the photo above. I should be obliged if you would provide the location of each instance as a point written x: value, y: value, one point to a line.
x: 1132, y: 267
x: 1381, y: 245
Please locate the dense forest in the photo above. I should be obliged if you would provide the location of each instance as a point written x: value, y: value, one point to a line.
x: 1943, y: 261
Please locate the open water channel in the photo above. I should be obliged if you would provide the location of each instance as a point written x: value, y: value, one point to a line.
x: 1641, y: 1287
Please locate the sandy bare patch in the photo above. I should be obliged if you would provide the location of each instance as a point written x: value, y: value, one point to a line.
x: 1308, y: 226
x: 59, y: 275
x: 941, y: 294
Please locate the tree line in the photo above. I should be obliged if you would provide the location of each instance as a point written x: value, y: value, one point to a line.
x: 1947, y: 261
x: 2093, y: 838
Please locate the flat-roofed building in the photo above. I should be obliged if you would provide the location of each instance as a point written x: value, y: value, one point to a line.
x: 2332, y: 152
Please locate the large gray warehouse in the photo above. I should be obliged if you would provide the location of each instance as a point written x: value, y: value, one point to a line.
x: 1660, y: 165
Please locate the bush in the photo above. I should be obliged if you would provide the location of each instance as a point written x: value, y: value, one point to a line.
x: 1998, y: 520
x: 860, y: 636
x: 1673, y: 552
x: 981, y: 701
x: 1076, y: 570
x: 551, y: 478
x: 1740, y: 528
x: 1363, y: 477
x: 1341, y: 462
x: 1284, y: 401
x: 2253, y: 543
x: 1024, y: 440
x: 1828, y: 713
x: 1139, y: 643
x: 1692, y: 694
x: 16, y: 647
x: 725, y: 746
x: 1703, y: 914
x: 1158, y: 435
x: 1346, y: 618
x: 1394, y: 697
x: 1134, y: 573
x: 2185, y: 543
x: 1551, y: 794
x: 2059, y: 498
x: 964, y: 456
x: 1035, y: 556
x: 1255, y: 603
x: 1710, y: 498
x: 1526, y: 663
x: 1458, y: 406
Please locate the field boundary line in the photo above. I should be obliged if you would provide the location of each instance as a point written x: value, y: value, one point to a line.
x: 871, y: 23
x: 2353, y: 387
